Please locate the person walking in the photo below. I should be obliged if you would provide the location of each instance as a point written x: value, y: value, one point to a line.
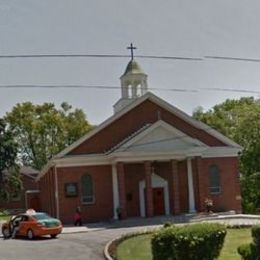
x: 77, y: 217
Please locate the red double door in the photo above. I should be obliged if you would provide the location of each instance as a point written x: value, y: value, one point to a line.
x: 158, y: 202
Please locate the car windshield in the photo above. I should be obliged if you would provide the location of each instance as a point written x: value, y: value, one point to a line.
x: 41, y: 216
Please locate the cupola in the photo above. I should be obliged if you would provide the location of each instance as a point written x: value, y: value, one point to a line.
x: 133, y: 83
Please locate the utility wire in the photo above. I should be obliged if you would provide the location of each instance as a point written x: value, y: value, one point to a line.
x: 231, y: 58
x: 24, y: 56
x: 118, y: 87
x: 90, y: 87
x: 232, y: 90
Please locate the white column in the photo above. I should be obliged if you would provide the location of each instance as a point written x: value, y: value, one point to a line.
x: 190, y: 187
x: 115, y: 190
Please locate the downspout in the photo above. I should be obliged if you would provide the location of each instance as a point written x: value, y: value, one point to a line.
x: 56, y: 193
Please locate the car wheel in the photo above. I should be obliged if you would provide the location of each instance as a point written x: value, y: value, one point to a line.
x: 6, y: 232
x: 30, y: 234
x: 54, y: 236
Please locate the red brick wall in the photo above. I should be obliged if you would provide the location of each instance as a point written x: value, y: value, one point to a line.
x: 147, y: 112
x: 228, y: 198
x: 47, y: 193
x: 102, y: 208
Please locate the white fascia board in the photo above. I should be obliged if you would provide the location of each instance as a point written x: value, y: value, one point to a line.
x: 162, y: 156
x: 216, y: 152
x: 142, y: 158
x: 72, y: 161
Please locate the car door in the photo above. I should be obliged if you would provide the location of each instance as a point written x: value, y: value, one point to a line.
x: 16, y: 223
x: 23, y: 226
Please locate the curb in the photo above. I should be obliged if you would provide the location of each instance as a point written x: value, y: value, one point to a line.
x: 81, y: 231
x: 106, y: 253
x: 122, y: 237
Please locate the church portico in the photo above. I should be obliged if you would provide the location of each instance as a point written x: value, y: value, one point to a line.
x: 150, y: 188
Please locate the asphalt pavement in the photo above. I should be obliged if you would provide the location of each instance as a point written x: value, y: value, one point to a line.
x: 88, y: 241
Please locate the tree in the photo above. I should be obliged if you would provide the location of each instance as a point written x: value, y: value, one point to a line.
x: 227, y: 116
x: 10, y: 182
x: 250, y: 188
x: 240, y: 121
x: 42, y: 131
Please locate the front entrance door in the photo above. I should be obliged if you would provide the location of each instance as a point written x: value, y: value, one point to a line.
x: 158, y: 201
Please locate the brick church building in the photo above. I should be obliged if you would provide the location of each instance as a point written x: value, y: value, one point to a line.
x: 147, y: 159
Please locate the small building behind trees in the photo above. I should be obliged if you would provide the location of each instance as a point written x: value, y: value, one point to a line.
x: 28, y: 196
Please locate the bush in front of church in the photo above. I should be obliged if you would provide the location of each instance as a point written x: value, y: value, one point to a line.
x: 251, y: 251
x: 190, y: 242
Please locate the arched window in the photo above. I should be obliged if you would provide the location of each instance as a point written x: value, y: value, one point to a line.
x: 214, y: 179
x: 87, y: 189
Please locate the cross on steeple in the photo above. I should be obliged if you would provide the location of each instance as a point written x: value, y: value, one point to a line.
x: 132, y: 48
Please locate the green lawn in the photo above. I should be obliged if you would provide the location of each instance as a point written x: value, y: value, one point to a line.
x: 4, y: 218
x: 139, y: 247
x: 234, y: 238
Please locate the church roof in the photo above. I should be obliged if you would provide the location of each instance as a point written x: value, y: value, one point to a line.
x: 133, y: 68
x: 161, y: 103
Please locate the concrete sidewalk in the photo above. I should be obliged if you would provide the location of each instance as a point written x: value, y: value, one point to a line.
x: 69, y: 229
x: 228, y: 219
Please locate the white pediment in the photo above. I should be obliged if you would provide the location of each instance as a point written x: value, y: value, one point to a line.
x: 160, y: 137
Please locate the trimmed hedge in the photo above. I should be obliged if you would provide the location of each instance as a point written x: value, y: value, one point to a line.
x: 251, y: 251
x: 255, y: 231
x: 190, y: 242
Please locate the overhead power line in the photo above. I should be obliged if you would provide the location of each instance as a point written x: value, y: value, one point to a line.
x: 90, y: 87
x: 111, y: 87
x: 231, y: 58
x: 232, y: 90
x: 25, y: 56
x: 38, y: 56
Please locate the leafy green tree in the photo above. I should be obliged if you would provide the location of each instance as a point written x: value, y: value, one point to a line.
x: 10, y: 182
x: 227, y: 116
x: 250, y: 188
x: 240, y: 121
x: 42, y: 131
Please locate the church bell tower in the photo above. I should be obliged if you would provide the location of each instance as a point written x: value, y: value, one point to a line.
x: 133, y: 83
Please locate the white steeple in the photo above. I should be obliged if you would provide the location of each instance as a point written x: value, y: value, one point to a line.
x: 133, y: 84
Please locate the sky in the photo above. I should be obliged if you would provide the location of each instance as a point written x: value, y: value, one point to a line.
x: 182, y: 28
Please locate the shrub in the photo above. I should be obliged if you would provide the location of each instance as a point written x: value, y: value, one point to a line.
x: 4, y: 212
x: 255, y: 231
x: 251, y: 251
x: 167, y: 224
x: 190, y: 242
